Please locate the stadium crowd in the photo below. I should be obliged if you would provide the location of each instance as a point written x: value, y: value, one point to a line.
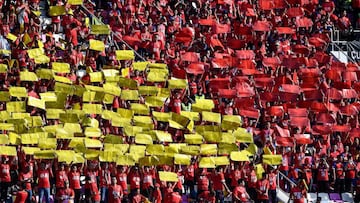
x: 266, y: 61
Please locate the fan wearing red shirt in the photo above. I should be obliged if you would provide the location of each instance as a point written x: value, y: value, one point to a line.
x: 134, y: 180
x: 272, y: 185
x: 339, y: 174
x: 147, y: 185
x: 121, y: 175
x: 115, y: 192
x: 26, y: 177
x: 43, y: 175
x: 323, y: 175
x: 218, y: 182
x: 298, y: 193
x: 350, y: 173
x: 105, y: 180
x: 5, y: 178
x: 93, y: 194
x: 202, y: 182
x: 157, y: 196
x: 207, y: 197
x: 61, y: 177
x: 74, y: 179
x: 21, y: 195
x: 239, y: 193
x: 189, y: 178
x: 262, y: 188
x: 65, y: 194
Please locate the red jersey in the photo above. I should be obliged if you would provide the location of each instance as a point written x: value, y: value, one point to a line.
x: 95, y: 195
x: 240, y: 192
x: 5, y: 173
x: 263, y: 187
x: 252, y: 179
x: 157, y: 196
x: 203, y: 183
x: 105, y: 177
x: 298, y: 194
x: 21, y: 197
x: 61, y: 178
x: 147, y: 180
x: 43, y: 178
x: 218, y: 180
x: 115, y: 193
x: 272, y: 181
x: 235, y: 176
x: 74, y: 178
x: 323, y: 174
x: 122, y: 181
x: 351, y: 170
x: 134, y: 182
x: 24, y: 177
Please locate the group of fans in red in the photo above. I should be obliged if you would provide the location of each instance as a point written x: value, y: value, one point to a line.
x: 265, y: 60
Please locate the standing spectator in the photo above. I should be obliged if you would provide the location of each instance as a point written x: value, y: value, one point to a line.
x: 5, y: 178
x: 115, y: 193
x: 61, y: 177
x: 26, y: 177
x: 74, y: 179
x: 43, y: 175
x: 219, y: 184
x: 322, y: 175
x: 240, y: 194
x: 157, y: 196
x: 105, y: 180
x: 21, y: 194
x: 272, y: 186
x: 298, y: 193
x: 262, y: 188
x: 350, y: 174
x: 65, y: 194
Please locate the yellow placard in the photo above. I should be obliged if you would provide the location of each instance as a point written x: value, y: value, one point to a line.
x: 36, y: 103
x: 221, y: 161
x: 11, y: 37
x: 148, y: 90
x: 97, y: 45
x: 155, y: 101
x: 100, y: 29
x: 130, y: 95
x: 182, y: 159
x: 140, y: 109
x: 132, y: 130
x: 190, y: 150
x: 44, y: 154
x: 48, y: 96
x: 112, y: 89
x: 208, y: 149
x: 194, y: 138
x: 92, y: 143
x: 141, y: 66
x: 195, y: 116
x: 143, y: 139
x: 155, y: 149
x: 18, y: 92
x: 48, y: 143
x: 168, y: 176
x: 60, y: 67
x: 163, y: 136
x: 92, y: 132
x: 43, y: 73
x: 53, y: 113
x: 161, y: 116
x: 177, y: 84
x: 75, y: 2
x: 57, y: 10
x: 96, y: 77
x: 4, y: 139
x: 212, y: 137
x: 3, y: 68
x: 157, y: 76
x: 125, y: 160
x: 272, y: 159
x: 242, y: 135
x: 207, y: 162
x: 62, y: 79
x: 33, y: 53
x: 28, y: 76
x: 42, y: 59
x: 203, y: 105
x: 158, y: 65
x: 8, y: 150
x: 30, y: 150
x: 239, y: 156
x: 226, y: 148
x: 230, y: 122
x: 125, y: 55
x: 92, y: 108
x: 19, y: 106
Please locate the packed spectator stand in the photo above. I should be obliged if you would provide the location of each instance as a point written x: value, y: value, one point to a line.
x: 177, y: 101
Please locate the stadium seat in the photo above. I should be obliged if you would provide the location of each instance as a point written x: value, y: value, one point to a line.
x: 311, y: 197
x: 335, y: 197
x: 324, y: 196
x: 347, y: 197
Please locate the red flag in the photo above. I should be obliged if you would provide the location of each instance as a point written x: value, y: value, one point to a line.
x: 325, y: 118
x: 280, y: 4
x: 349, y: 93
x: 318, y: 107
x: 207, y: 22
x: 227, y: 93
x: 195, y: 68
x: 295, y: 12
x: 299, y: 122
x: 266, y: 5
x: 216, y: 43
x: 221, y: 28
x: 314, y: 94
x: 317, y: 42
x: 235, y: 43
x: 219, y: 83
x: 244, y: 90
x: 253, y: 113
x: 284, y: 141
x: 178, y: 72
x: 190, y: 57
x: 341, y: 128
x: 322, y: 129
x: 132, y: 41
x: 261, y: 26
x: 264, y: 82
x: 245, y: 54
x: 349, y: 76
x: 272, y: 62
x: 285, y: 30
x: 276, y: 111
x: 303, y: 139
x: 220, y: 63
x: 294, y: 89
x: 244, y: 103
x: 298, y: 112
x: 282, y: 132
x: 304, y: 22
x: 349, y: 110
